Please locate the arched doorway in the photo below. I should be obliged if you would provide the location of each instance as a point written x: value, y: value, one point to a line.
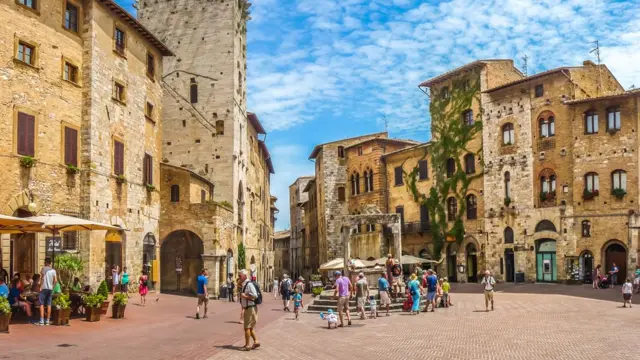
x: 22, y: 250
x: 615, y: 252
x: 452, y: 252
x: 229, y: 262
x: 586, y: 266
x: 113, y: 254
x: 180, y: 261
x: 149, y: 257
x: 546, y: 269
x: 509, y: 262
x: 472, y: 263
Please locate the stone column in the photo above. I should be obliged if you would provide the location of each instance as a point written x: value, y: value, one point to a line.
x: 396, y: 229
x: 346, y: 246
x: 211, y: 262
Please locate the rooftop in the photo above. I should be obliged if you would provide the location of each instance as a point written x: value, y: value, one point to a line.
x: 193, y: 173
x: 469, y: 66
x: 532, y: 77
x: 628, y: 93
x: 253, y: 119
x: 318, y: 147
x: 278, y: 235
x: 391, y: 140
x: 134, y: 23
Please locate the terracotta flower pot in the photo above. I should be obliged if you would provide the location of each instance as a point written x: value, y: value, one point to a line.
x: 105, y: 307
x: 5, y: 319
x: 60, y: 317
x: 93, y: 313
x: 117, y: 311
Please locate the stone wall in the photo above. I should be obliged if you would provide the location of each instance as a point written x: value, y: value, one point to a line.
x: 297, y: 217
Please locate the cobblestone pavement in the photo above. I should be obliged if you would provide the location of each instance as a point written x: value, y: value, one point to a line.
x: 530, y: 322
x: 523, y: 326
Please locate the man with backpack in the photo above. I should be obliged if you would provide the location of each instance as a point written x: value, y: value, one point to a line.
x: 489, y: 283
x: 250, y: 298
x: 230, y: 288
x: 285, y: 291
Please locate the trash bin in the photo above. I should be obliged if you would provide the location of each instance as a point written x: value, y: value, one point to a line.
x: 223, y: 292
x: 519, y: 277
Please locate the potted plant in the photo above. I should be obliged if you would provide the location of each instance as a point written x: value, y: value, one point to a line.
x: 61, y: 310
x: 103, y: 291
x: 68, y: 265
x: 619, y: 193
x: 120, y: 179
x: 5, y: 314
x: 72, y: 169
x: 92, y: 305
x: 27, y: 162
x: 590, y: 194
x: 119, y: 304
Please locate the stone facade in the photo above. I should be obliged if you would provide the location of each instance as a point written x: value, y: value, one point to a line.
x: 281, y: 253
x: 311, y: 255
x: 298, y: 233
x: 84, y: 103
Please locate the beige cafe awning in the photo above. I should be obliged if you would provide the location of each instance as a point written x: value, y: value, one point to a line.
x: 14, y: 225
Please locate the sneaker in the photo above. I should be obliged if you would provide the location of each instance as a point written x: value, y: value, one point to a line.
x: 197, y: 316
x: 38, y: 323
x: 46, y: 323
x: 205, y: 316
x: 349, y: 322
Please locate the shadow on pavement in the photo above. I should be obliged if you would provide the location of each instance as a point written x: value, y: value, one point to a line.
x: 582, y: 291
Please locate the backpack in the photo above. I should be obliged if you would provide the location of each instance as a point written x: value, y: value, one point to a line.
x: 396, y: 270
x: 258, y: 299
x: 285, y: 286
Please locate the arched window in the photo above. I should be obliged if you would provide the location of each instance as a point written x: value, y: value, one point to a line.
x: 366, y: 181
x: 472, y: 207
x: 548, y: 183
x: 357, y: 183
x: 619, y: 180
x: 469, y: 164
x: 586, y: 228
x: 451, y: 167
x: 508, y: 134
x: 353, y: 184
x: 370, y: 179
x: 452, y: 208
x: 547, y: 126
x: 220, y: 127
x: 591, y: 182
x: 508, y: 235
x: 507, y: 185
x: 175, y: 193
x: 551, y: 124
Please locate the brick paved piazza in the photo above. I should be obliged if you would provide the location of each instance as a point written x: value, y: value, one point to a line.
x: 530, y: 322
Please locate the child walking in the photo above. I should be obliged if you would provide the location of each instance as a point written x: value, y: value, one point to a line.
x: 297, y: 302
x: 627, y: 291
x: 373, y: 308
x: 143, y: 289
x: 332, y: 319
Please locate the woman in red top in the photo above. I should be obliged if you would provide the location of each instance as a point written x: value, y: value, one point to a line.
x: 144, y: 288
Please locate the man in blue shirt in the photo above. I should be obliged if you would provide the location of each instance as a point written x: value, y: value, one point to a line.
x: 203, y: 295
x: 383, y: 290
x: 432, y: 283
x: 4, y: 289
x: 614, y: 275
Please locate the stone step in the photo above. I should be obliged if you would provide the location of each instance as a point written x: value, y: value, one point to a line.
x: 351, y: 302
x: 323, y: 305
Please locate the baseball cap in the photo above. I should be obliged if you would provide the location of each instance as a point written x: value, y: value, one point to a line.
x: 337, y: 273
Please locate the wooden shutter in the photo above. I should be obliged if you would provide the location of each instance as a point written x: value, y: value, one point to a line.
x: 398, y: 176
x: 422, y: 168
x: 118, y: 158
x: 147, y: 172
x: 26, y: 134
x: 70, y: 146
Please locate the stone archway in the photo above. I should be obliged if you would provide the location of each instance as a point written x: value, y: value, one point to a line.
x: 614, y: 251
x: 180, y: 261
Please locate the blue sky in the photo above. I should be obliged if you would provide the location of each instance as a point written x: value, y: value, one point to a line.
x: 320, y: 70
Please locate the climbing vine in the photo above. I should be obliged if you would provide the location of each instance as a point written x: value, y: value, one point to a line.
x: 451, y: 137
x: 242, y: 261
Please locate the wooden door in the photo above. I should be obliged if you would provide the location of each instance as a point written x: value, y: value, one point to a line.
x: 509, y: 265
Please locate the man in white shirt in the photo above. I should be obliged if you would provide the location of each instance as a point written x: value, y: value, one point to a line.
x: 489, y: 282
x: 48, y: 280
x: 247, y: 296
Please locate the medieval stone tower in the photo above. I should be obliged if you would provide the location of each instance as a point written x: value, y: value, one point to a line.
x: 204, y: 105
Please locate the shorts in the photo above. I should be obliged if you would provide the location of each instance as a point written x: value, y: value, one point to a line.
x: 636, y: 281
x: 296, y: 307
x: 45, y: 297
x: 445, y: 297
x: 343, y: 304
x: 384, y: 298
x: 488, y: 295
x: 250, y: 317
x: 124, y: 288
x: 202, y: 298
x: 286, y: 295
x: 431, y: 295
x: 626, y: 297
x: 360, y: 301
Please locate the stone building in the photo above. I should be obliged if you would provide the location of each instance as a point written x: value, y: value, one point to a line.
x: 367, y: 187
x: 196, y: 232
x: 207, y: 128
x: 281, y: 253
x: 297, y: 198
x: 310, y: 250
x: 82, y: 128
x: 331, y: 175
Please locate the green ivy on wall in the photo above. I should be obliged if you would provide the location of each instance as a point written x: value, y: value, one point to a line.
x: 242, y: 261
x: 451, y: 137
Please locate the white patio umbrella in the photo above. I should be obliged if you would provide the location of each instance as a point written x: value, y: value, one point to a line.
x: 54, y: 223
x: 408, y: 260
x: 338, y: 264
x: 14, y: 225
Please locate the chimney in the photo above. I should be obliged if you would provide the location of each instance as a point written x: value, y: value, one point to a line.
x: 588, y: 63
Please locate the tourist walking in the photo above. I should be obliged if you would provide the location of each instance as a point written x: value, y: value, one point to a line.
x: 432, y: 287
x: 383, y: 290
x: 115, y: 278
x: 636, y: 280
x: 596, y: 277
x: 230, y: 288
x: 627, y: 292
x: 446, y: 289
x: 390, y: 276
x: 343, y: 291
x: 248, y: 295
x: 415, y: 290
x: 489, y: 283
x: 614, y: 275
x: 143, y: 287
x: 203, y: 295
x: 124, y: 280
x: 362, y: 294
x: 299, y: 285
x: 49, y: 279
x: 297, y: 302
x: 275, y: 288
x: 285, y: 291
